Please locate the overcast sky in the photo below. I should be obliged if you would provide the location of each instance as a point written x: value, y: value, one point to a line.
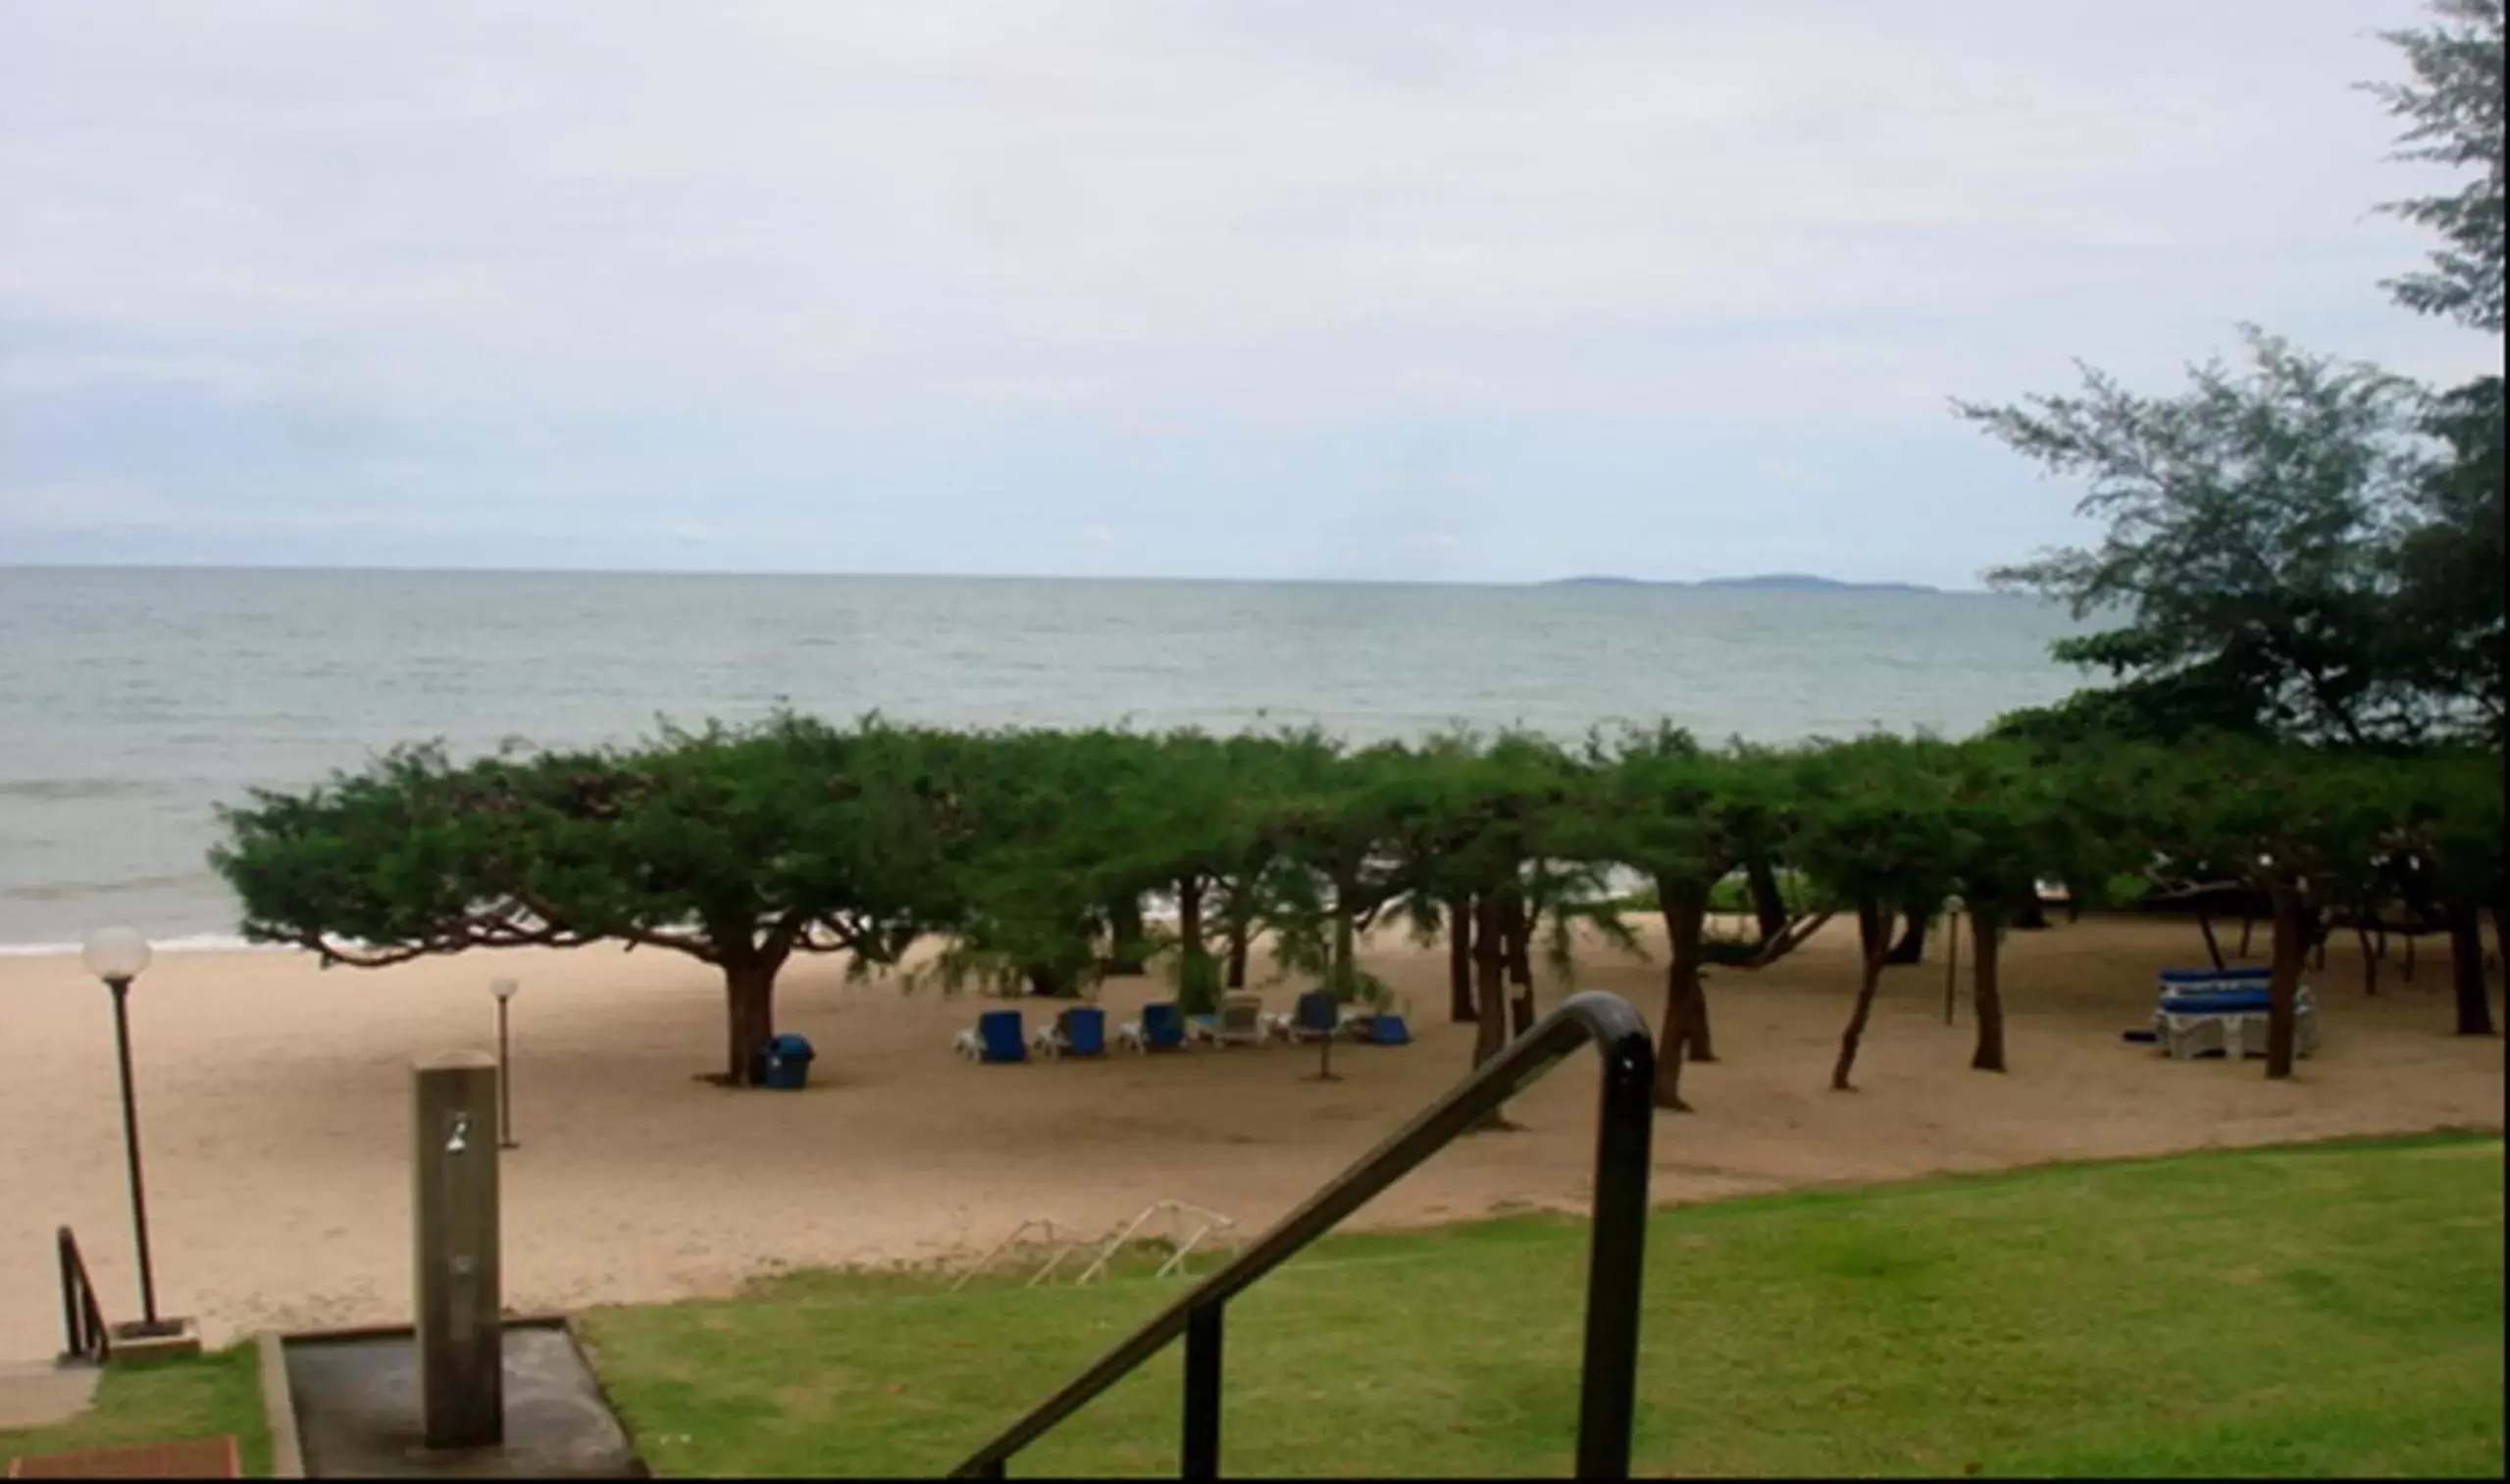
x: 1362, y: 288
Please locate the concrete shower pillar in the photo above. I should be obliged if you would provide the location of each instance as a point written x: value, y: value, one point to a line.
x: 461, y: 1344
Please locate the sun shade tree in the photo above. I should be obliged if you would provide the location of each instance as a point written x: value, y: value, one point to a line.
x: 1873, y: 829
x: 740, y: 849
x: 2303, y: 827
x: 1686, y: 818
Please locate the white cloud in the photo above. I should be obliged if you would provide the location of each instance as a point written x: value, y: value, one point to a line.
x: 964, y: 222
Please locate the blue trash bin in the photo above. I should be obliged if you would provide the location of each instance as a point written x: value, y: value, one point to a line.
x: 785, y: 1063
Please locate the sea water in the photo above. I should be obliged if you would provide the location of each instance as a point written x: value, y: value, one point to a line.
x: 138, y: 700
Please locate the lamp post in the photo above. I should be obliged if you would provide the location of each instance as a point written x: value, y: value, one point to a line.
x: 504, y: 990
x: 117, y: 955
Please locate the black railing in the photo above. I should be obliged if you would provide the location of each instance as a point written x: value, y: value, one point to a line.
x: 82, y: 1318
x: 1615, y: 1259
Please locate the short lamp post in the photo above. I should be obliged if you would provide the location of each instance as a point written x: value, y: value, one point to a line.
x: 118, y: 955
x: 504, y: 990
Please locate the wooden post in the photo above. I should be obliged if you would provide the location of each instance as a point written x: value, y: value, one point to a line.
x: 461, y: 1344
x: 1951, y: 955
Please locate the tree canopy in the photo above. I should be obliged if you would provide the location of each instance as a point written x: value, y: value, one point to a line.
x: 1021, y: 854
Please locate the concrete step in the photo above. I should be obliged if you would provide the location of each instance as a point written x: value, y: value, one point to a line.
x: 40, y: 1394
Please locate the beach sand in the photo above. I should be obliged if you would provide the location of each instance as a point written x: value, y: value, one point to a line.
x: 275, y: 1106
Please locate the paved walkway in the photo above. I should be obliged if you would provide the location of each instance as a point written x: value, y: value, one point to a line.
x: 39, y: 1395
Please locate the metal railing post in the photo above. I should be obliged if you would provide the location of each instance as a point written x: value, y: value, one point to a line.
x: 1202, y: 1459
x: 1606, y: 1399
x: 72, y: 1338
x: 1615, y: 1262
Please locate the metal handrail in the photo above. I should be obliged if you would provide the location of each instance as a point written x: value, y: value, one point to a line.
x: 1627, y: 1124
x: 82, y: 1318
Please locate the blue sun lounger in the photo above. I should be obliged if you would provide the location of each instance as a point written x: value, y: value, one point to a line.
x: 1315, y: 1016
x: 1385, y: 1028
x: 997, y: 1038
x: 1160, y: 1029
x: 1079, y: 1031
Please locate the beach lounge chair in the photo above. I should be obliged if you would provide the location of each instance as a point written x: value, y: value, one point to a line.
x: 1317, y: 1017
x: 1160, y: 1029
x: 996, y: 1037
x: 1079, y: 1031
x: 1384, y: 1028
x: 1239, y: 1023
x: 2225, y: 1013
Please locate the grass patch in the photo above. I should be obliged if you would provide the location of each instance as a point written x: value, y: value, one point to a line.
x: 166, y: 1402
x: 2316, y: 1310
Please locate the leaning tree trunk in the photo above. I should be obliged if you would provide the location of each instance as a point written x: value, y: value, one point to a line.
x: 2466, y: 968
x: 1124, y: 959
x: 1987, y: 936
x: 1459, y: 960
x: 1873, y: 928
x: 1768, y: 903
x: 1912, y: 947
x: 2283, y: 987
x: 1685, y: 911
x: 749, y: 1017
x: 2212, y: 948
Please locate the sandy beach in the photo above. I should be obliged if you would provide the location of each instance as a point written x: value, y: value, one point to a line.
x: 273, y: 1099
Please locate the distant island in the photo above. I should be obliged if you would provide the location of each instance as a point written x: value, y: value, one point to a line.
x: 1767, y: 582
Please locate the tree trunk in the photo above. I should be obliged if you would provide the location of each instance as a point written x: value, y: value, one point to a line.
x: 1702, y: 1048
x: 1190, y: 915
x: 1521, y: 943
x: 2370, y: 960
x: 1197, y: 975
x: 2248, y: 927
x: 2027, y: 913
x: 1768, y: 903
x: 1490, y: 964
x: 2465, y: 969
x: 1124, y: 957
x: 1912, y: 947
x: 749, y: 1017
x: 2214, y: 949
x: 2284, y: 987
x: 2500, y: 940
x: 1875, y: 929
x: 1342, y: 975
x: 1987, y: 936
x: 1490, y: 967
x: 1046, y: 982
x: 1685, y: 909
x: 1459, y: 960
x: 1240, y: 939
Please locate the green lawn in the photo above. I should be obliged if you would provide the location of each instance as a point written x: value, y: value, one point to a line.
x: 2322, y: 1310
x: 164, y: 1402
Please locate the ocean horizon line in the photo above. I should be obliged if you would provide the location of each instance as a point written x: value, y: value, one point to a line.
x: 1871, y: 586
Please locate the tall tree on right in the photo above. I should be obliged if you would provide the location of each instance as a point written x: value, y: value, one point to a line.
x: 2453, y: 112
x: 2310, y: 549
